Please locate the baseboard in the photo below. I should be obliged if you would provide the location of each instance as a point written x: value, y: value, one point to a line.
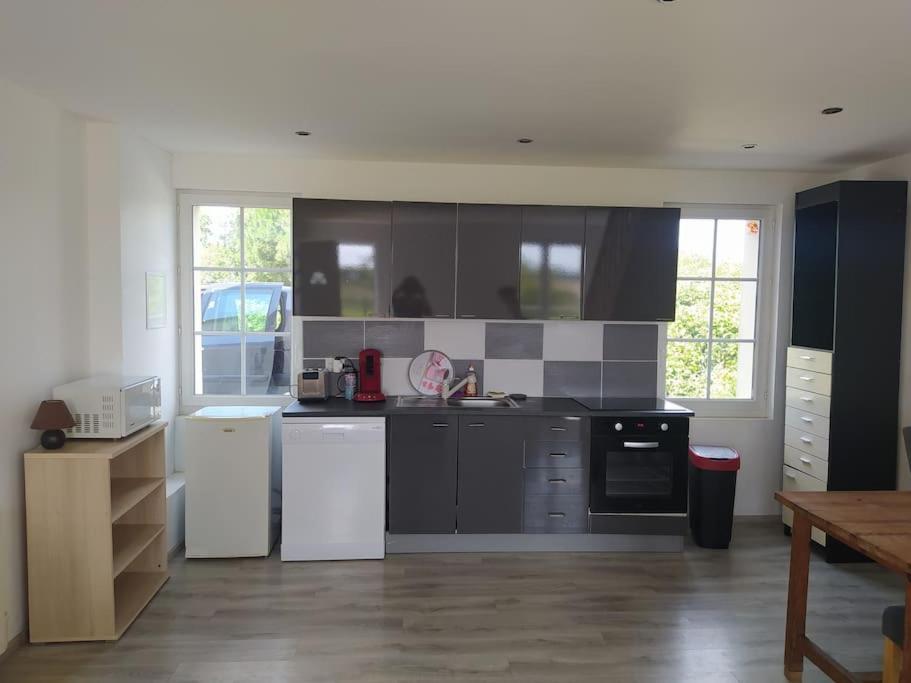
x: 176, y: 550
x: 14, y: 644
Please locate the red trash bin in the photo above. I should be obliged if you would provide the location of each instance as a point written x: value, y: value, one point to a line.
x: 713, y: 482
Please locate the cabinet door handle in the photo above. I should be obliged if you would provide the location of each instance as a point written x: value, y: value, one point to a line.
x: 466, y: 315
x: 806, y: 378
x: 806, y: 439
x: 441, y: 315
x: 556, y: 481
x: 808, y: 358
x: 808, y: 420
x: 557, y: 455
x: 806, y: 461
x: 556, y: 515
x: 476, y: 424
x: 440, y: 424
x: 558, y: 429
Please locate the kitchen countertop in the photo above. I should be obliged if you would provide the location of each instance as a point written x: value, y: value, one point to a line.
x: 533, y: 406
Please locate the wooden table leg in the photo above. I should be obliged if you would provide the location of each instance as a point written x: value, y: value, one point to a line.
x: 798, y: 583
x: 906, y: 646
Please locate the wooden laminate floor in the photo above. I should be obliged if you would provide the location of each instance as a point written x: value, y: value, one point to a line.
x: 708, y: 616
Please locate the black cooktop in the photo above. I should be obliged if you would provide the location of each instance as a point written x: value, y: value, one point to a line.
x: 633, y: 405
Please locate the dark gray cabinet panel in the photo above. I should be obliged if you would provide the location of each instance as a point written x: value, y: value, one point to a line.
x: 423, y: 260
x: 342, y: 252
x: 422, y: 474
x: 556, y: 514
x: 630, y: 264
x: 550, y: 281
x: 815, y: 252
x: 488, y: 261
x: 491, y: 478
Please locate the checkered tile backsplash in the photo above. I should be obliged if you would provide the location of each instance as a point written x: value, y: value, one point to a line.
x: 536, y: 358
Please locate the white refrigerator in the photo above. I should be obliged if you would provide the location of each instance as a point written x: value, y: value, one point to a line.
x: 232, y: 460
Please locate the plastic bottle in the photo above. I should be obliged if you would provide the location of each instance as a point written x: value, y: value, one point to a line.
x: 471, y: 389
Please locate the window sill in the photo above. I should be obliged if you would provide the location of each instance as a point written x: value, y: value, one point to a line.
x: 723, y: 409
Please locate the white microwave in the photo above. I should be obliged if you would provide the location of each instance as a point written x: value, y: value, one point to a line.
x: 110, y: 406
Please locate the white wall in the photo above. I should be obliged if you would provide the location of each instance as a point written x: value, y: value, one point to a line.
x: 897, y: 168
x: 759, y: 441
x: 45, y: 305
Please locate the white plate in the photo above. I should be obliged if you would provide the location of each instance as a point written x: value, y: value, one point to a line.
x: 428, y: 370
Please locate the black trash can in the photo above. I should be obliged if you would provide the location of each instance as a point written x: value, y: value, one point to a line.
x: 713, y: 480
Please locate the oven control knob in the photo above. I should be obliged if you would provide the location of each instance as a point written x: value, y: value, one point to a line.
x: 664, y: 426
x: 618, y: 427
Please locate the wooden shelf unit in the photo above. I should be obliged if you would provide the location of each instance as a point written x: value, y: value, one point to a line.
x: 96, y: 514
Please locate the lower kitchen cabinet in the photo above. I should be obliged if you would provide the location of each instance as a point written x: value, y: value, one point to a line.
x: 491, y: 475
x: 423, y: 452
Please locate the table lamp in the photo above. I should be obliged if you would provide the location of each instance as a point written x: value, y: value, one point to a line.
x: 53, y: 417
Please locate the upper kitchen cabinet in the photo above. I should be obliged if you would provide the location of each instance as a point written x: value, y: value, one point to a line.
x: 630, y: 264
x: 423, y: 260
x: 550, y: 282
x: 487, y: 283
x: 342, y: 257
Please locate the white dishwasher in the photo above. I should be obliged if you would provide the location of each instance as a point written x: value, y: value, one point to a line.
x: 333, y: 488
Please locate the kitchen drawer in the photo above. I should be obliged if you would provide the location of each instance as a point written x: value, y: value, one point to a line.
x: 816, y: 382
x: 810, y: 359
x: 559, y: 454
x: 553, y: 428
x: 806, y: 422
x: 556, y: 514
x: 555, y: 481
x: 806, y: 442
x: 806, y: 463
x: 808, y: 401
x: 794, y: 480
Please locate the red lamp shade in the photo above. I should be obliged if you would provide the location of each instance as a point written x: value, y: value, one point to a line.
x: 53, y: 415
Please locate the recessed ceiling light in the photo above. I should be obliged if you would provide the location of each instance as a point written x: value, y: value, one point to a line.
x: 750, y: 145
x: 302, y: 133
x: 828, y: 111
x: 524, y: 141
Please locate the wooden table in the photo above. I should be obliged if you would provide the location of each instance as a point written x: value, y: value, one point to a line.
x: 875, y: 523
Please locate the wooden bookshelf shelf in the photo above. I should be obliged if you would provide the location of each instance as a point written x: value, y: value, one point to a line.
x: 96, y: 515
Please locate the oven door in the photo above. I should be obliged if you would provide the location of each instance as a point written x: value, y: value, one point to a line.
x: 639, y: 473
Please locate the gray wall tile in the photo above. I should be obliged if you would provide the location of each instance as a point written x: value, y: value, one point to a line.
x: 396, y: 338
x: 630, y: 342
x: 639, y: 379
x: 519, y: 341
x: 330, y: 338
x: 460, y: 367
x: 572, y: 378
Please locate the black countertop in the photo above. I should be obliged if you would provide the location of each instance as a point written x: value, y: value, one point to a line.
x: 534, y: 406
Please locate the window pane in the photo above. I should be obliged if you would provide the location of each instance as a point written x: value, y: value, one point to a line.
x: 687, y: 369
x: 267, y: 238
x: 217, y: 364
x: 734, y: 315
x: 268, y: 362
x: 732, y: 370
x: 692, y: 319
x: 737, y: 251
x: 694, y: 257
x: 217, y: 297
x: 216, y: 236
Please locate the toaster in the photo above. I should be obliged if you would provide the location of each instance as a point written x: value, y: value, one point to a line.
x: 313, y: 385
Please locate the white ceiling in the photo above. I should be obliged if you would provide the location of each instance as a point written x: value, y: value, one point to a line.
x: 594, y: 82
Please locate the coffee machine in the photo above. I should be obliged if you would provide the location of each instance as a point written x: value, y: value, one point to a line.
x: 371, y: 384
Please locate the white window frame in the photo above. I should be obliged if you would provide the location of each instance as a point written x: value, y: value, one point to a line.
x: 185, y: 202
x: 767, y: 280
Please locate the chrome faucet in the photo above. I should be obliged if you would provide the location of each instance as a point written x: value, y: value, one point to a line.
x: 448, y: 391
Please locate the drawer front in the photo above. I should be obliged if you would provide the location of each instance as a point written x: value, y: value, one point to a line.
x: 816, y: 382
x: 558, y: 454
x: 553, y: 428
x: 807, y: 401
x: 556, y: 514
x: 806, y: 463
x: 807, y: 422
x: 793, y: 480
x: 555, y: 481
x: 806, y: 442
x: 810, y: 359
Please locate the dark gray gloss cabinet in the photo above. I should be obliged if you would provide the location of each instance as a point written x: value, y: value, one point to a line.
x: 487, y: 282
x: 491, y: 477
x: 550, y: 280
x: 341, y: 257
x: 423, y: 452
x: 423, y: 259
x: 630, y: 263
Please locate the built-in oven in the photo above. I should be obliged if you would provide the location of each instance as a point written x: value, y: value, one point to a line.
x: 639, y: 465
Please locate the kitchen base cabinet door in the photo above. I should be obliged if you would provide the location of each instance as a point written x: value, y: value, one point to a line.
x: 422, y: 474
x: 491, y: 477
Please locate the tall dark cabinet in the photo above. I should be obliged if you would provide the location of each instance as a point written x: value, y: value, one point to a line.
x: 841, y: 414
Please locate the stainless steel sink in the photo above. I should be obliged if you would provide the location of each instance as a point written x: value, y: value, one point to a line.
x: 461, y: 402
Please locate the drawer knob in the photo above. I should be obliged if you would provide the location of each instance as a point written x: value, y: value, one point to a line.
x: 806, y: 461
x: 806, y: 378
x: 556, y: 481
x: 557, y: 455
x: 808, y: 358
x: 806, y: 439
x: 806, y: 399
x: 556, y: 515
x: 789, y: 475
x: 806, y: 419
